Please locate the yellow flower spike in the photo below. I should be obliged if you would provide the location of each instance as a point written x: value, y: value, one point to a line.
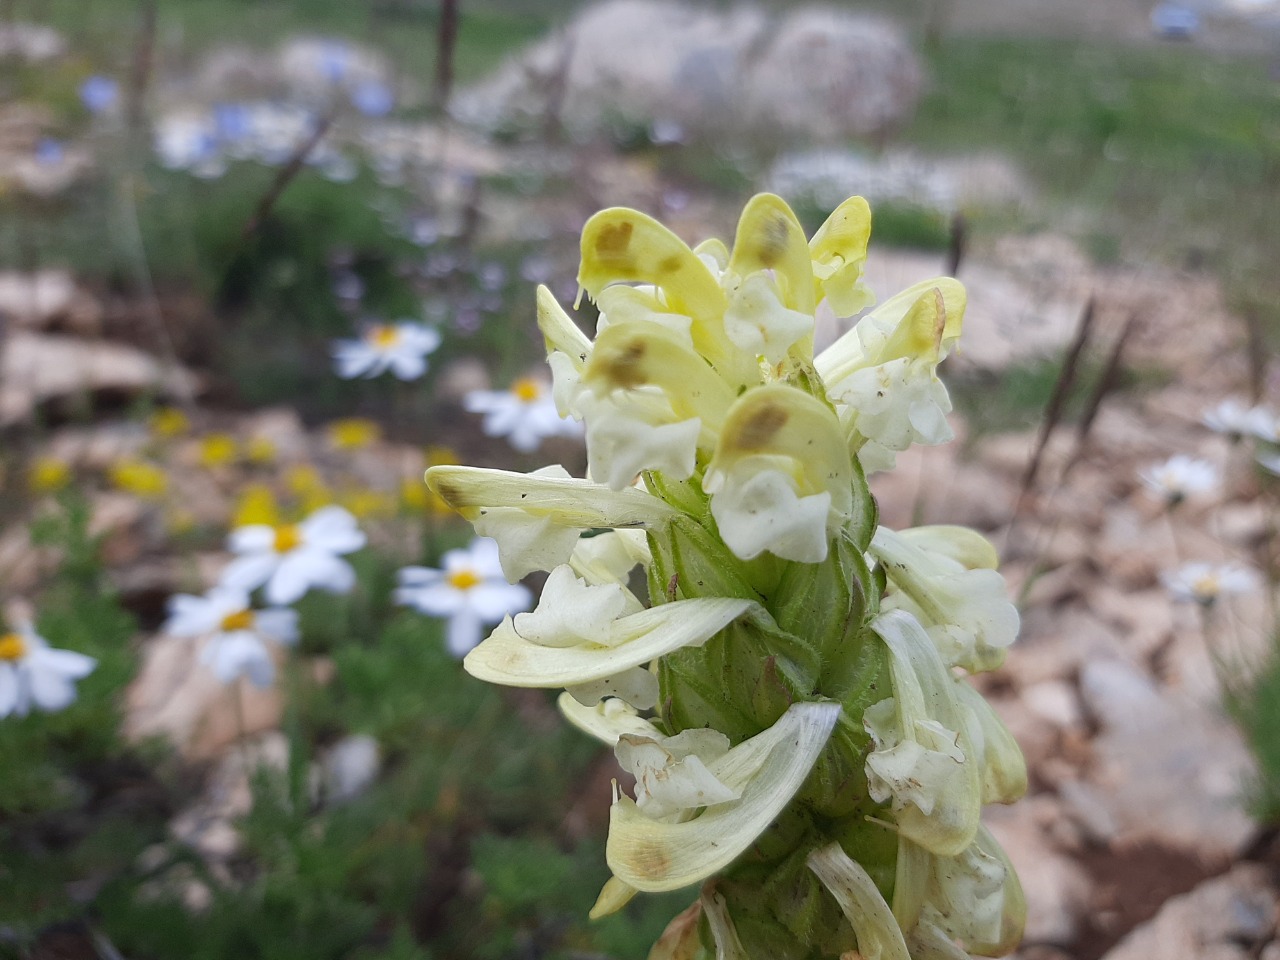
x: 48, y: 475
x: 770, y: 238
x: 625, y: 246
x: 620, y: 245
x: 256, y: 505
x: 919, y: 334
x: 628, y: 356
x: 218, y: 450
x: 846, y: 355
x: 559, y: 331
x: 782, y: 476
x: 839, y: 253
x: 168, y: 422
x: 965, y: 546
x: 142, y: 479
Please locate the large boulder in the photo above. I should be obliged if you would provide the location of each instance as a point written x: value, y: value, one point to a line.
x: 809, y: 74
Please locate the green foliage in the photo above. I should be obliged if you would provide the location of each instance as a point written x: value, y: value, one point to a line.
x: 1255, y: 705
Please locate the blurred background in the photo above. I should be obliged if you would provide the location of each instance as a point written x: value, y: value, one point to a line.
x: 199, y: 197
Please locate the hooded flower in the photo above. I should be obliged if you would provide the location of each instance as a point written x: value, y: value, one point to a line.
x: 774, y: 670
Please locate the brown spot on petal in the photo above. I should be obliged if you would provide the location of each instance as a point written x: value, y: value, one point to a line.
x: 763, y: 426
x: 625, y: 366
x: 773, y: 240
x: 671, y: 264
x: 613, y: 243
x: 650, y: 860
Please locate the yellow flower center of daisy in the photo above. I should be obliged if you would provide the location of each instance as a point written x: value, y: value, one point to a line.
x: 1206, y: 587
x: 464, y: 579
x: 384, y: 336
x: 240, y: 620
x: 287, y: 537
x: 527, y: 389
x: 12, y: 647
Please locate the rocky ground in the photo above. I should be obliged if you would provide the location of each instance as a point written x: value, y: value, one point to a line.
x: 1134, y: 841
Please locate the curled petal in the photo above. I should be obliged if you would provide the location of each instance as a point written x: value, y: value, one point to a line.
x: 879, y: 937
x: 614, y: 895
x: 769, y: 769
x: 510, y: 659
x: 924, y: 760
x: 723, y: 932
x: 560, y: 332
x: 1004, y: 769
x: 607, y: 721
x: 839, y: 251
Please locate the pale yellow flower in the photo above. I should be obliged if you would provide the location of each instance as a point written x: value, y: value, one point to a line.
x: 218, y: 450
x: 140, y: 478
x: 353, y: 433
x: 48, y: 475
x: 168, y: 422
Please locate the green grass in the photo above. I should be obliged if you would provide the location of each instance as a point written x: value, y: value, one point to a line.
x: 404, y: 29
x: 1146, y: 153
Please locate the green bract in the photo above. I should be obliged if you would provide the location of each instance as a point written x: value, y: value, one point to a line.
x: 788, y: 694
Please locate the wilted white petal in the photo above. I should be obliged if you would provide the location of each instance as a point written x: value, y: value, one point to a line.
x: 571, y: 611
x: 924, y: 760
x: 510, y: 659
x: 607, y: 720
x: 769, y: 768
x: 861, y: 902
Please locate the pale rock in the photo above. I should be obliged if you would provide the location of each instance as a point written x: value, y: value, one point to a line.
x: 1054, y: 701
x: 459, y: 377
x: 99, y: 446
x: 36, y: 368
x: 32, y: 42
x: 175, y: 696
x: 1090, y: 812
x: 1143, y: 617
x: 1245, y: 525
x: 1223, y: 918
x: 802, y: 74
x: 1053, y: 644
x: 47, y: 298
x: 1149, y: 740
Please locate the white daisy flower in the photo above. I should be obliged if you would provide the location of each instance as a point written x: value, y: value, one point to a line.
x: 401, y: 348
x: 237, y: 633
x: 1233, y: 418
x: 290, y: 559
x: 34, y: 674
x: 526, y: 414
x: 1180, y: 477
x: 469, y: 589
x: 1204, y: 583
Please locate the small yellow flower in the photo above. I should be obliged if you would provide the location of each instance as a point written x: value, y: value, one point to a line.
x: 257, y: 504
x: 365, y: 503
x: 48, y: 475
x: 260, y: 450
x: 168, y: 422
x: 305, y: 484
x: 354, y: 433
x: 218, y: 450
x: 140, y: 478
x: 438, y: 455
